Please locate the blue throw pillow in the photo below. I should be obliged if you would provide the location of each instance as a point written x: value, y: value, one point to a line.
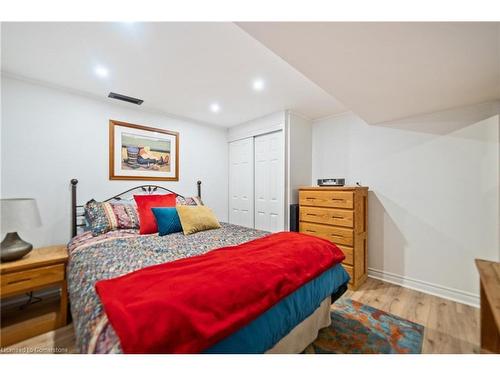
x: 167, y: 220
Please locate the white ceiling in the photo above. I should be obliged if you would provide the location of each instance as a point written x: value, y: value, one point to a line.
x: 177, y: 68
x: 387, y: 71
x: 381, y: 71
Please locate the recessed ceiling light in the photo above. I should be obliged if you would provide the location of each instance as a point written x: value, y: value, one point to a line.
x: 258, y: 85
x: 101, y: 71
x: 215, y: 107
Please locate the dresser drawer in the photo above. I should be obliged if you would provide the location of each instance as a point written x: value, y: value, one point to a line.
x: 330, y: 216
x: 15, y: 282
x: 349, y: 254
x: 350, y: 271
x: 337, y: 235
x: 335, y: 199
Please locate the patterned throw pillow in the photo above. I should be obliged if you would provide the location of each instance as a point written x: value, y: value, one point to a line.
x: 188, y: 201
x: 104, y: 216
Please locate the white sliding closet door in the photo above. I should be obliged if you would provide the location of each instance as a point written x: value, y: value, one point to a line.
x: 241, y: 182
x: 269, y: 182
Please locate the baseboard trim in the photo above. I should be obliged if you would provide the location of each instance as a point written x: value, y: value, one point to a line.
x: 456, y: 295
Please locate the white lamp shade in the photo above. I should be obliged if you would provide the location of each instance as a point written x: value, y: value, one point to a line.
x: 19, y: 214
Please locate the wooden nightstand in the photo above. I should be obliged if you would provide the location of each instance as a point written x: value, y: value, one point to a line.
x: 41, y: 268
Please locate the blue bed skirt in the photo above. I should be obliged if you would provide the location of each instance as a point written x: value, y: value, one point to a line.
x: 264, y: 332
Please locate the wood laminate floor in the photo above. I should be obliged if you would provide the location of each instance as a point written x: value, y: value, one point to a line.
x: 450, y: 327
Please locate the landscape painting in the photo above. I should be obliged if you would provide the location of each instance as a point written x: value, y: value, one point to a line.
x: 146, y: 153
x: 140, y: 152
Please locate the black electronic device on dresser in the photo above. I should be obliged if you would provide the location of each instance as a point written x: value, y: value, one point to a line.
x: 331, y: 181
x: 294, y: 218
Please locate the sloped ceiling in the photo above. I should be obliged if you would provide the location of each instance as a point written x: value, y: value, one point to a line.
x: 389, y: 71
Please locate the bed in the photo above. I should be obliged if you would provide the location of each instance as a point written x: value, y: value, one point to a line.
x: 287, y: 327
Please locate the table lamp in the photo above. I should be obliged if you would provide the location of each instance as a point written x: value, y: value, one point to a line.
x: 17, y: 214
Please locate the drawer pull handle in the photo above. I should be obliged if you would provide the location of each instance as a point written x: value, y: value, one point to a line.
x: 310, y: 231
x: 311, y: 214
x: 337, y: 199
x: 310, y: 198
x: 337, y: 217
x: 336, y: 235
x: 18, y: 281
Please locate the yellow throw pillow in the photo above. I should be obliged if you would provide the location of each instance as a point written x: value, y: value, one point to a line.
x: 196, y: 219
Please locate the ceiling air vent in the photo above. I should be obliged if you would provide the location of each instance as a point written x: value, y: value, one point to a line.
x: 125, y: 98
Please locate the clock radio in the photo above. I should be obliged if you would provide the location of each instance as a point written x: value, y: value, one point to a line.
x: 331, y: 181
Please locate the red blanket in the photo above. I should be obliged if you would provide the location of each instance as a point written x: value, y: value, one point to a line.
x: 188, y: 305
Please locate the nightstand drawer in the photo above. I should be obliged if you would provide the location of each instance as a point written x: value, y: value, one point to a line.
x: 27, y: 280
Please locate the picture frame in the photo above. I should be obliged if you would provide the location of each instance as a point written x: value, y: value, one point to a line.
x: 138, y: 152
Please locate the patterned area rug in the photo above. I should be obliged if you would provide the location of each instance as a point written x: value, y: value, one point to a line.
x: 359, y: 328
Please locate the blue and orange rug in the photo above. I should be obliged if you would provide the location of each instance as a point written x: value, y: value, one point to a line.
x: 359, y: 328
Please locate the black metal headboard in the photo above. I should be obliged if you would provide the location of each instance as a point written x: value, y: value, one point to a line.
x: 77, y: 210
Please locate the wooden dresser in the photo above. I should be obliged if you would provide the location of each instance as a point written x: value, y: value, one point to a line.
x: 338, y: 214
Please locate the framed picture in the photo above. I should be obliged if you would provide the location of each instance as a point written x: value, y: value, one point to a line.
x: 139, y: 152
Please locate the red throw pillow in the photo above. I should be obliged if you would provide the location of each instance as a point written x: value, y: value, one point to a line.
x: 147, y: 221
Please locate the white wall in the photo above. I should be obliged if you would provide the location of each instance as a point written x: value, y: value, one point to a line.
x: 434, y: 192
x: 50, y: 136
x: 298, y: 159
x: 262, y: 125
x: 299, y: 134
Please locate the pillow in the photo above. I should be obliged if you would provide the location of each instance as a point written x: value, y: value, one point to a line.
x: 104, y: 216
x: 167, y: 220
x: 196, y: 219
x: 188, y: 201
x: 147, y: 222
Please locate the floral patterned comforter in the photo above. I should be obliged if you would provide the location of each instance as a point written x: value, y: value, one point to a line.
x: 122, y: 251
